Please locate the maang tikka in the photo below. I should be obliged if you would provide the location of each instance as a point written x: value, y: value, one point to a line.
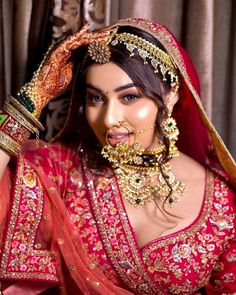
x: 161, y: 62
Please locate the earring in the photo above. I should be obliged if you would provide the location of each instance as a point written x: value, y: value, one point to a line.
x: 170, y: 129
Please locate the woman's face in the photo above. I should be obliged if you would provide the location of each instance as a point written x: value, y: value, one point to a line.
x: 111, y: 98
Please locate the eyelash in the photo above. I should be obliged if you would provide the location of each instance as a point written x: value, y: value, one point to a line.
x: 133, y: 97
x: 97, y: 99
x: 93, y: 98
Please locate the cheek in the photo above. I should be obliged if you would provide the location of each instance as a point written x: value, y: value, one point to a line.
x: 146, y: 113
x: 91, y: 117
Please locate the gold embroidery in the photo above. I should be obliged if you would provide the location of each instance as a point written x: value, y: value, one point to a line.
x: 128, y: 264
x: 190, y: 253
x: 77, y: 203
x: 21, y: 257
x: 198, y: 247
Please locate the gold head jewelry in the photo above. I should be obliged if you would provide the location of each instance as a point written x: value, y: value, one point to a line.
x: 159, y: 60
x: 99, y: 52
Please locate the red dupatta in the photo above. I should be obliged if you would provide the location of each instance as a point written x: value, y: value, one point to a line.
x: 197, y: 138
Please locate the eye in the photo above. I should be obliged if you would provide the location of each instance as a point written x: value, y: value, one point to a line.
x: 94, y: 99
x: 130, y: 97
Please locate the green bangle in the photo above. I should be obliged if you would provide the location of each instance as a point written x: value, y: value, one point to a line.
x: 23, y: 98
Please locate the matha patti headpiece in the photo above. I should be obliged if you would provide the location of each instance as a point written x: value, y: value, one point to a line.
x: 160, y: 60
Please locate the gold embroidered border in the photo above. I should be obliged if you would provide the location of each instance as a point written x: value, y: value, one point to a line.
x: 193, y: 229
x: 30, y: 243
x: 144, y: 286
x: 152, y: 289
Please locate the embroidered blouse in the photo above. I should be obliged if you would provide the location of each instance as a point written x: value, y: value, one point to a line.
x: 199, y: 257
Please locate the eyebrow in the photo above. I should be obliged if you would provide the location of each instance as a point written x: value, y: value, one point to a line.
x: 120, y: 88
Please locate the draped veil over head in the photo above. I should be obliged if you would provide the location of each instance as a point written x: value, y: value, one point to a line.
x: 73, y: 267
x: 198, y: 139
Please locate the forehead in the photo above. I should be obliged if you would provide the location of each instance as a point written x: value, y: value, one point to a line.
x: 107, y: 76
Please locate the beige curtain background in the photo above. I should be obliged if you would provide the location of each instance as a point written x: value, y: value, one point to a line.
x: 206, y: 28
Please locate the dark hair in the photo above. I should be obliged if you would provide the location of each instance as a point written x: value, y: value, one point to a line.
x: 149, y: 83
x: 78, y: 131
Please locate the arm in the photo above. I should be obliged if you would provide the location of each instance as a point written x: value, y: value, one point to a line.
x: 18, y: 118
x: 223, y: 280
x: 223, y: 277
x: 4, y: 159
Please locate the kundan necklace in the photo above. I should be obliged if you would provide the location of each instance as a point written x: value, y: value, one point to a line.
x: 140, y: 176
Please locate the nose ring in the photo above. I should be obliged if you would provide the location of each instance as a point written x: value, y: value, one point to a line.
x: 126, y: 126
x: 122, y: 122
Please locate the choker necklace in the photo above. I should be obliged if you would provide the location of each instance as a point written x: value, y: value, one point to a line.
x: 139, y: 176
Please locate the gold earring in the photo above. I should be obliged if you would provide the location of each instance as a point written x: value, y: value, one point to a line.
x: 170, y: 129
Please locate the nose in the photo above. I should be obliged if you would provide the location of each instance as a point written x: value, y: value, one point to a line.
x: 113, y: 113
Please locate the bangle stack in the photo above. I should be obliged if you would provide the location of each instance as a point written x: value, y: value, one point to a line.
x: 16, y: 124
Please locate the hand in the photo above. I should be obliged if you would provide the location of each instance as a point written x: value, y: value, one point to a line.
x: 55, y: 73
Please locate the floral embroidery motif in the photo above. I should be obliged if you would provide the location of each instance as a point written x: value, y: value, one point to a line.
x: 114, y: 230
x: 179, y: 264
x: 193, y: 253
x: 78, y: 205
x: 22, y: 258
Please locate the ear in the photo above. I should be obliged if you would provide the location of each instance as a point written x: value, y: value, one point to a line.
x: 171, y: 99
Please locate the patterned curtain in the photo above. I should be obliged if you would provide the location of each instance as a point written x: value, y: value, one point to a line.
x: 68, y: 17
x: 27, y: 28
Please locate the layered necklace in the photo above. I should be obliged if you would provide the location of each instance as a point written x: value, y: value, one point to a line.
x: 140, y: 175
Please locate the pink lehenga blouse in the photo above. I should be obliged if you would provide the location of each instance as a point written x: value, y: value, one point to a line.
x: 60, y: 207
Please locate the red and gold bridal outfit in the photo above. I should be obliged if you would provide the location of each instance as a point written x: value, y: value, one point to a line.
x: 203, y: 254
x: 67, y: 224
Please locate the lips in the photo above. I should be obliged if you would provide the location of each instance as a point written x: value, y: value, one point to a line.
x: 115, y: 137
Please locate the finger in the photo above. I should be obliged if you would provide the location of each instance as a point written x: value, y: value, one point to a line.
x: 62, y: 52
x: 83, y: 37
x: 76, y: 36
x: 88, y: 38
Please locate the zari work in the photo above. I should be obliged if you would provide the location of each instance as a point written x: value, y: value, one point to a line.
x: 94, y: 203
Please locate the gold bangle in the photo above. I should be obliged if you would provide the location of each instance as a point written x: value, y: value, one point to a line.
x: 17, y: 115
x: 8, y: 144
x: 16, y: 125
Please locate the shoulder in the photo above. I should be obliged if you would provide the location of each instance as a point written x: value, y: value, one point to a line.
x: 199, y: 178
x: 49, y: 154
